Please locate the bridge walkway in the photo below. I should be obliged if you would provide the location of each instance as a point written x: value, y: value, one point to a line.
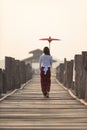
x: 27, y: 109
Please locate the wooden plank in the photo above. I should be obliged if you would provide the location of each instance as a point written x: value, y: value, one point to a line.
x: 51, y: 121
x: 40, y: 102
x: 41, y: 116
x: 43, y: 110
x: 44, y: 124
x: 33, y: 127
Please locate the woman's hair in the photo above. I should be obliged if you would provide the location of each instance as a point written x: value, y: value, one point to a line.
x: 46, y: 51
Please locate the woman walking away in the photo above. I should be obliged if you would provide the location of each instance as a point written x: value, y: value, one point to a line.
x: 45, y: 71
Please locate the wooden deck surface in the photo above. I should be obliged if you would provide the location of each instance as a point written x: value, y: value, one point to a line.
x: 27, y: 109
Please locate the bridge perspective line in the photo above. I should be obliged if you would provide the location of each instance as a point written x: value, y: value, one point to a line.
x: 27, y: 109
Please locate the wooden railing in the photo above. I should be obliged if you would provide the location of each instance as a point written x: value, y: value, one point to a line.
x: 73, y: 74
x: 15, y: 74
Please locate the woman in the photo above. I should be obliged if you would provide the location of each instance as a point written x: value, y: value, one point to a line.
x: 45, y: 72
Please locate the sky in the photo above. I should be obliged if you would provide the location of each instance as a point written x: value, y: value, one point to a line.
x: 24, y: 22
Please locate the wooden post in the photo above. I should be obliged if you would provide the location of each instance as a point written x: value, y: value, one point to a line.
x: 28, y: 72
x: 65, y: 76
x: 12, y: 73
x: 60, y: 72
x: 22, y: 72
x: 84, y: 79
x: 1, y: 82
x: 17, y: 74
x: 78, y: 73
x: 4, y: 82
x: 8, y: 72
x: 68, y: 73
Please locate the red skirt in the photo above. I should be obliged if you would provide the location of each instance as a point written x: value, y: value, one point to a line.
x: 45, y: 80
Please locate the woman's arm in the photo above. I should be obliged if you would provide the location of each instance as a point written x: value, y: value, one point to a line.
x: 51, y: 61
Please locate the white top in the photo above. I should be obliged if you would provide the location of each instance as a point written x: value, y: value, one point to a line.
x: 45, y: 60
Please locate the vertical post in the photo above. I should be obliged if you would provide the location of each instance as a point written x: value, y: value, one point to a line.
x: 1, y: 82
x: 84, y: 79
x: 78, y: 73
x: 8, y: 72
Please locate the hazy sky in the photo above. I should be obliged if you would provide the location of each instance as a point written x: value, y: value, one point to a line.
x: 24, y: 22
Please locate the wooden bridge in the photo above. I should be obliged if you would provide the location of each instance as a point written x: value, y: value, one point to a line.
x: 27, y: 109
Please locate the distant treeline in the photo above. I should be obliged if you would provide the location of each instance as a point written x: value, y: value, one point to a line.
x: 15, y: 74
x: 73, y: 74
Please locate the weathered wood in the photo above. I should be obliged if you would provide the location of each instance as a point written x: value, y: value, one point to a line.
x: 1, y: 81
x: 69, y: 73
x: 78, y: 73
x: 65, y: 73
x: 4, y: 82
x: 84, y: 81
x: 12, y: 76
x: 17, y: 74
x: 27, y: 109
x: 8, y: 72
x: 60, y: 72
x: 22, y: 72
x: 28, y: 72
x: 84, y: 59
x: 73, y: 74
